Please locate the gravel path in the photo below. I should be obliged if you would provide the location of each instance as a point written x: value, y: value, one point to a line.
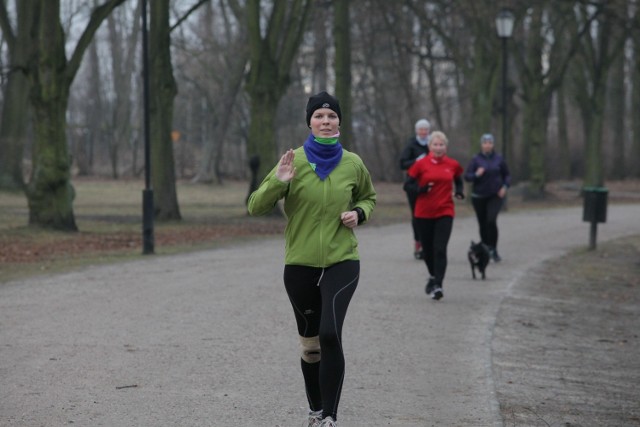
x: 208, y: 339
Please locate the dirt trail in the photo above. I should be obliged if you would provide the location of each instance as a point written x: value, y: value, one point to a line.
x: 566, y: 342
x: 208, y: 339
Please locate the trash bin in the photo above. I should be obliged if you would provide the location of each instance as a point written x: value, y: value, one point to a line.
x: 595, y: 204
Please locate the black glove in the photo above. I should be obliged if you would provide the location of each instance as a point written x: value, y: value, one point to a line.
x: 411, y: 185
x: 459, y: 192
x: 426, y: 188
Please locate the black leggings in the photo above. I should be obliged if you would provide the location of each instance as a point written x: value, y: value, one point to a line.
x: 320, y: 298
x: 411, y: 198
x: 434, y: 235
x: 487, y: 209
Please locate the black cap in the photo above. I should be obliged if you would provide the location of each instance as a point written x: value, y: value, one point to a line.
x: 322, y: 100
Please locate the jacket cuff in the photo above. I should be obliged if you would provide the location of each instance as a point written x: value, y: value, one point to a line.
x: 361, y: 216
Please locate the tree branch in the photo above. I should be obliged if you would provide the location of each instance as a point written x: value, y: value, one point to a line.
x: 98, y: 15
x: 5, y: 25
x: 186, y: 15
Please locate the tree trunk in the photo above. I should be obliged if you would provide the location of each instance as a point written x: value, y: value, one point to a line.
x: 534, y: 138
x: 262, y: 137
x: 484, y: 81
x: 231, y: 94
x: 342, y: 34
x: 123, y: 55
x: 49, y: 192
x: 600, y: 49
x: 430, y: 71
x: 320, y: 48
x: 591, y: 105
x: 594, y: 168
x: 564, y: 154
x: 635, y: 104
x: 617, y: 114
x: 94, y: 116
x: 15, y: 111
x: 535, y: 118
x: 221, y: 100
x: 163, y: 90
x: 270, y: 62
x: 13, y: 129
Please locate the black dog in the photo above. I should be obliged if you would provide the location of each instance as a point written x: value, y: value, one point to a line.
x: 478, y: 258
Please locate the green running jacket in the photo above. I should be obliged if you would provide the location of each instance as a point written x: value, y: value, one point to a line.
x: 315, y: 235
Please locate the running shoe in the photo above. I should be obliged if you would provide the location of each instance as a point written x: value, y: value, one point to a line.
x: 437, y: 294
x: 314, y: 419
x: 431, y: 285
x: 329, y: 422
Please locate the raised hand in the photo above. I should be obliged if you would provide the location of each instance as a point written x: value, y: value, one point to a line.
x: 286, y: 170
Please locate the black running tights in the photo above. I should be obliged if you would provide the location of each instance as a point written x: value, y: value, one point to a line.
x: 487, y: 209
x: 434, y: 235
x: 412, y: 197
x: 320, y: 298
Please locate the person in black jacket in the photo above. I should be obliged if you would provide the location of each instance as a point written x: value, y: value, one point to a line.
x: 417, y: 147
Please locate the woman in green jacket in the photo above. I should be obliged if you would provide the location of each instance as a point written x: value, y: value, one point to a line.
x: 327, y: 192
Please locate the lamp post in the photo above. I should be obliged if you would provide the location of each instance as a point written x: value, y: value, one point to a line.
x: 147, y: 193
x: 504, y: 27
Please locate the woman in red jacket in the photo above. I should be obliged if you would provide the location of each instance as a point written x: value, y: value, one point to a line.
x: 433, y: 177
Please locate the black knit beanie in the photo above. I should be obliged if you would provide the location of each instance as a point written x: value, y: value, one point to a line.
x: 322, y: 100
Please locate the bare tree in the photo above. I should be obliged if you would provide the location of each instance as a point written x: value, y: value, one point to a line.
x: 218, y: 78
x: 163, y: 89
x: 87, y: 138
x: 599, y: 48
x: 410, y: 59
x: 49, y: 191
x: 273, y: 44
x: 542, y: 56
x: 465, y: 28
x: 123, y: 55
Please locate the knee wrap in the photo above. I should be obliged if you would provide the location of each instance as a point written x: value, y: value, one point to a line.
x: 310, y: 349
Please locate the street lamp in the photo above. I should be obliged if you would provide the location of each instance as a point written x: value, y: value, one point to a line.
x: 504, y: 26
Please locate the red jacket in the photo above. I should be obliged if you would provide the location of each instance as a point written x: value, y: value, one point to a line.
x: 440, y: 172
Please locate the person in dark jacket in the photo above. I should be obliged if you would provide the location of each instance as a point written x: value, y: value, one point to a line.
x: 416, y: 148
x: 489, y: 174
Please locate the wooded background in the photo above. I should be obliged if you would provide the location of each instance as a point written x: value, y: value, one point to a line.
x: 229, y: 82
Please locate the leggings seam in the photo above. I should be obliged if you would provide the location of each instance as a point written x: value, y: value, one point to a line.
x: 335, y: 325
x: 306, y: 322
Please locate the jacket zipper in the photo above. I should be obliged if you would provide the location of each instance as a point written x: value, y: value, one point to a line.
x: 322, y: 220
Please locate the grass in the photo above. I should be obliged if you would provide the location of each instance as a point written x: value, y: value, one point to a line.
x: 109, y: 216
